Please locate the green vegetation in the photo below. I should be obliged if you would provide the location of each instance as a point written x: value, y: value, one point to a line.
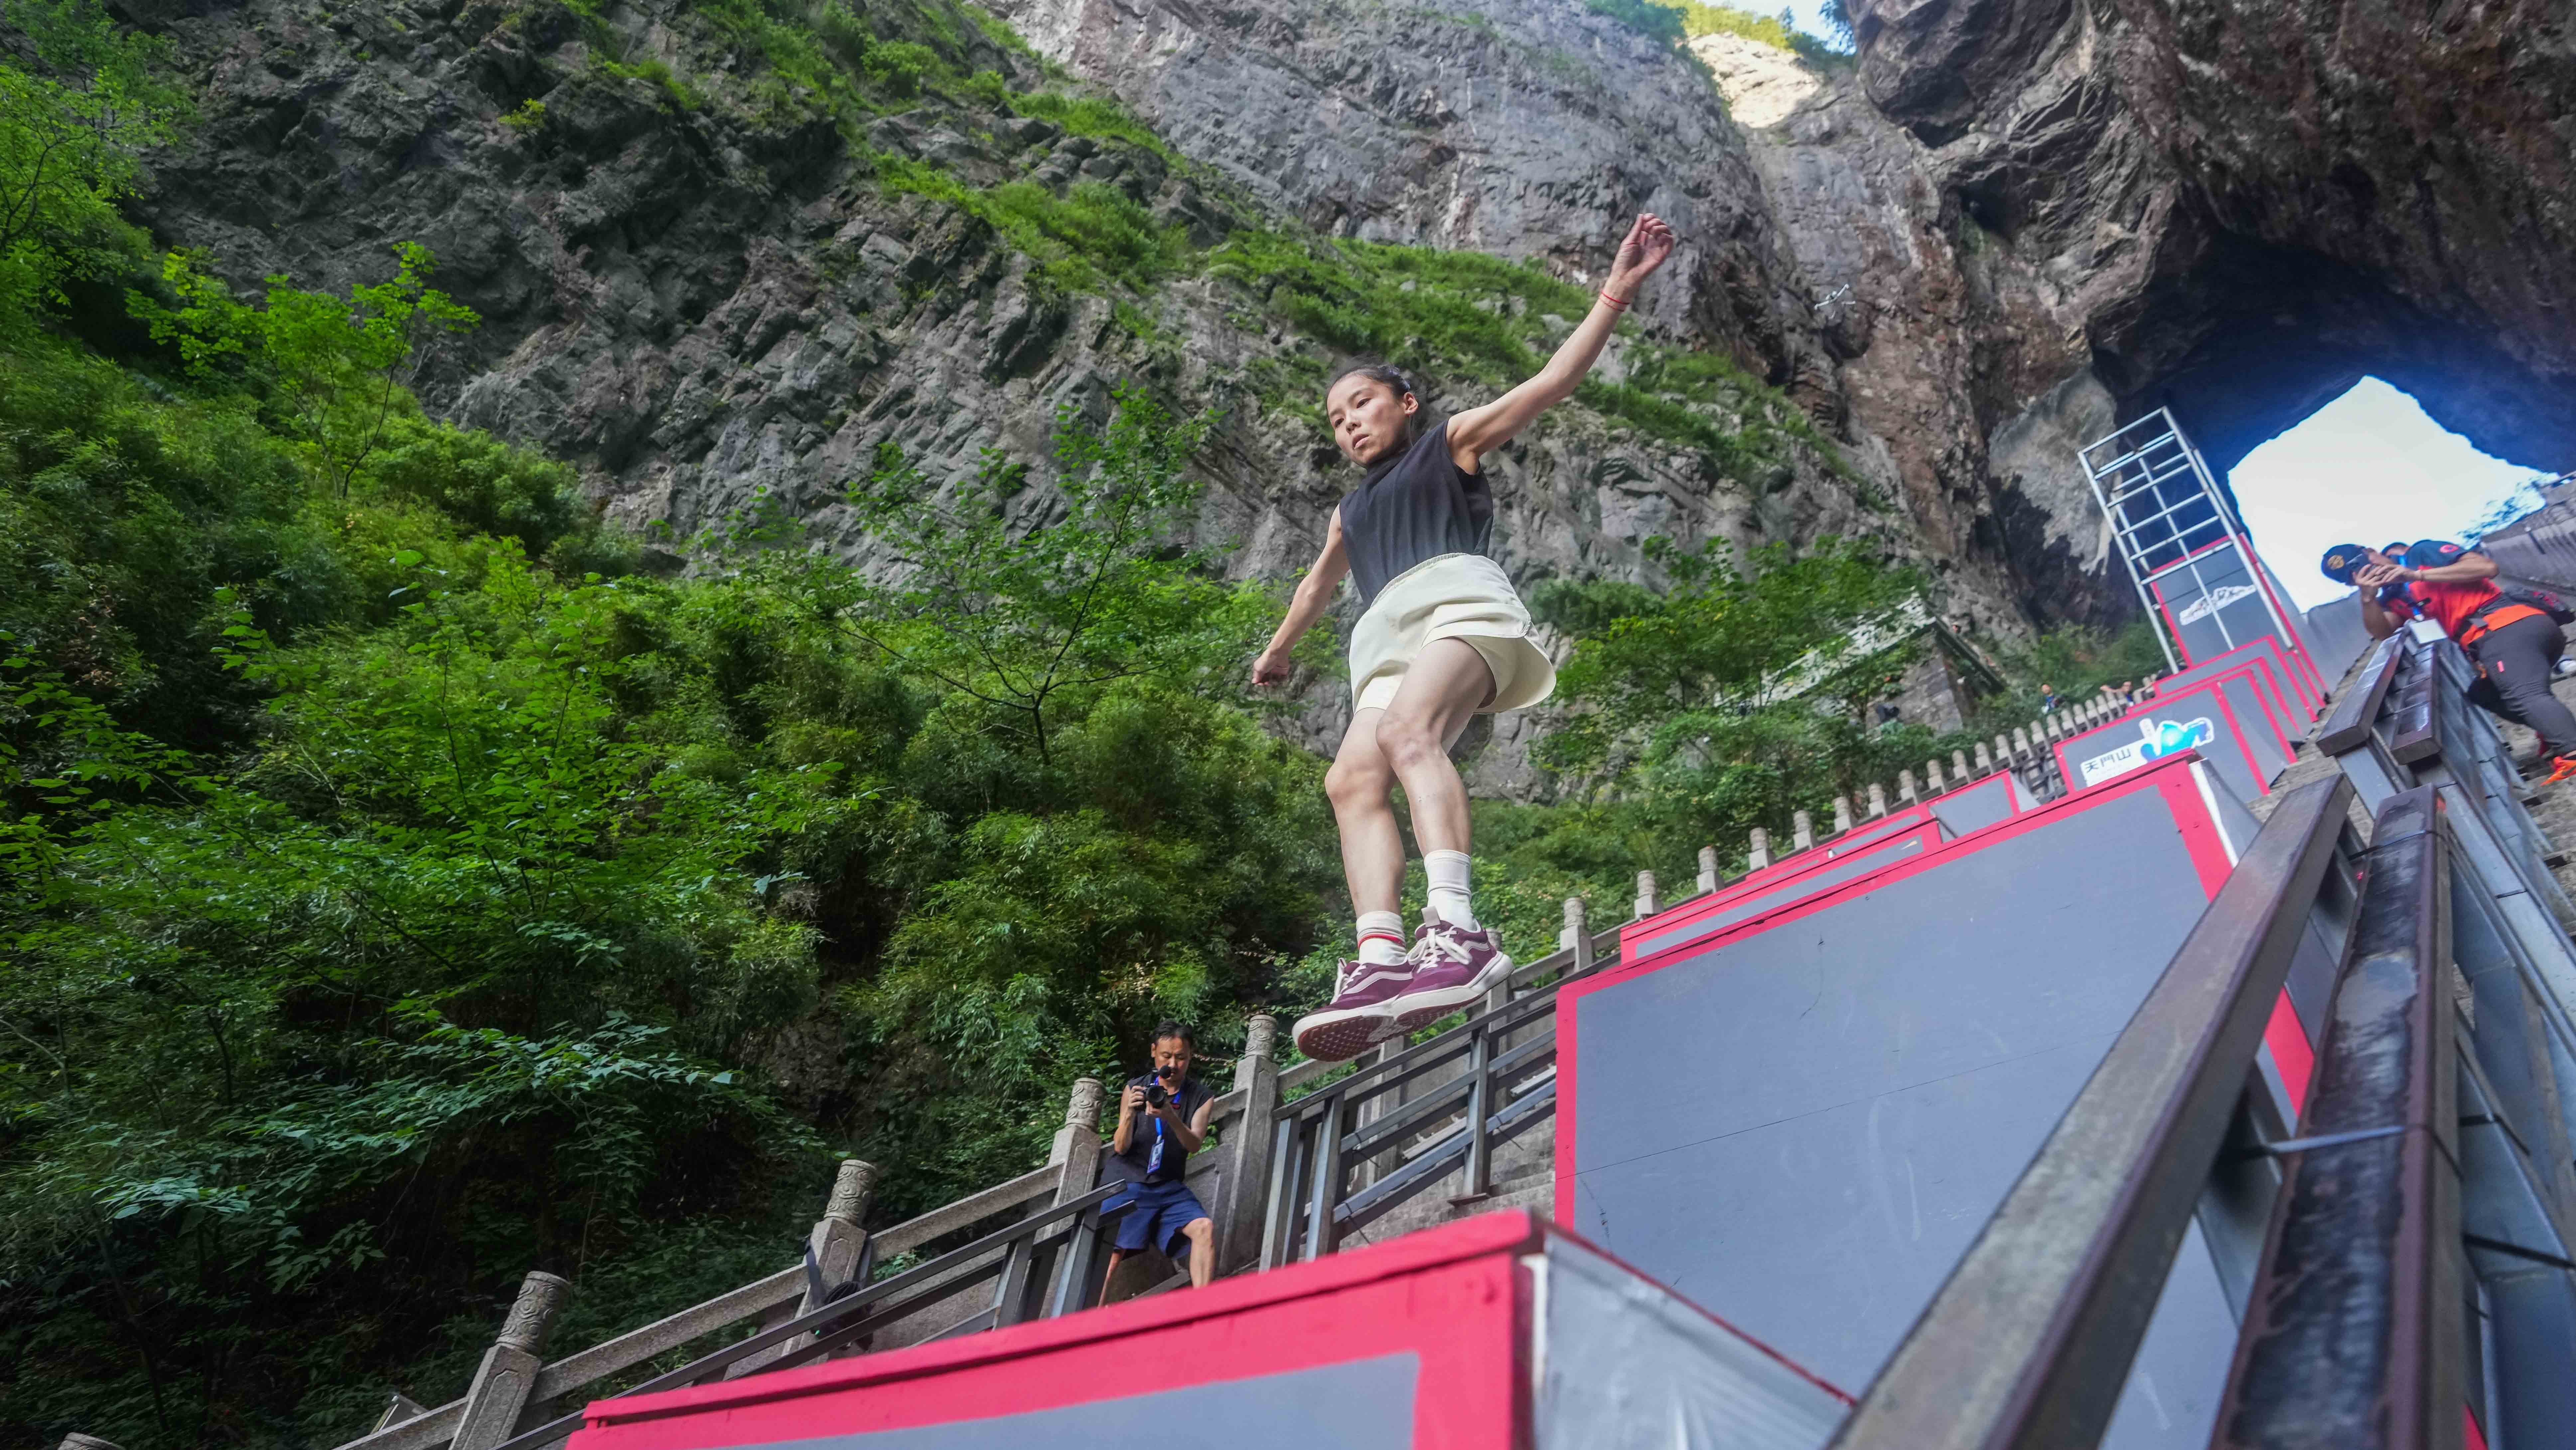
x: 1648, y: 18
x: 352, y: 849
x: 1084, y: 240
x: 1659, y: 670
x: 400, y: 889
x: 69, y: 134
x: 2077, y: 662
x: 1672, y: 21
x: 1698, y: 19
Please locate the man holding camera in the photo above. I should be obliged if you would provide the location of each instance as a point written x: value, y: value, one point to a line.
x: 1162, y: 1120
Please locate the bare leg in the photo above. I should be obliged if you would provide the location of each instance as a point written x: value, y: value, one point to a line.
x: 1202, y: 1236
x: 1106, y: 1279
x: 1442, y: 690
x: 1359, y: 785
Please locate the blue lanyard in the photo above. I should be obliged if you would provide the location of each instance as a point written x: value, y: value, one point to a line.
x: 1154, y: 1160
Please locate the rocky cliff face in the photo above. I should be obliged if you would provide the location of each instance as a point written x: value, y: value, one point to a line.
x: 701, y: 278
x: 715, y: 262
x: 2250, y: 203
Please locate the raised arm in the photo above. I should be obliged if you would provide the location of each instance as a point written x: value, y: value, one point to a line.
x: 1314, y: 593
x: 2469, y: 567
x: 1479, y: 431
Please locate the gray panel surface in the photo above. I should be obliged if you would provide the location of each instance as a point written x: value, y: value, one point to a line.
x: 1365, y: 1403
x: 1793, y: 889
x: 1974, y: 807
x: 2334, y: 635
x: 1803, y: 1129
x: 2176, y: 1382
x: 2240, y: 605
x: 2262, y: 733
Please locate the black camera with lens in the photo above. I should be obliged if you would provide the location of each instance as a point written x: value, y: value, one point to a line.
x: 1155, y: 1097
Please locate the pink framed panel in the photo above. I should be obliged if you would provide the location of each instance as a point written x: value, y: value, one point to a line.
x: 2199, y: 720
x: 1786, y: 985
x: 1690, y: 925
x: 2285, y: 682
x: 1431, y: 1339
x: 2277, y: 718
x: 1864, y: 840
x: 1450, y: 1304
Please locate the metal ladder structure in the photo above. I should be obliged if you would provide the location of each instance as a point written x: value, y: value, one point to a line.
x: 2166, y: 513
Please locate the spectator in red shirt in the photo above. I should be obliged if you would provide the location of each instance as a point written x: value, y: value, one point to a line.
x: 2514, y: 645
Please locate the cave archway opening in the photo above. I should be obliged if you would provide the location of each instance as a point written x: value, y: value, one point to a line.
x: 2329, y: 407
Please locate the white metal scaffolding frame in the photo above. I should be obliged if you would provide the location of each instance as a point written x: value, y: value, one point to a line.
x: 2148, y: 478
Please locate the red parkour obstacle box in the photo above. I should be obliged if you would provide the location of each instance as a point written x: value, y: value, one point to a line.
x: 2221, y: 717
x: 1498, y: 1333
x: 2283, y: 684
x: 1801, y: 1118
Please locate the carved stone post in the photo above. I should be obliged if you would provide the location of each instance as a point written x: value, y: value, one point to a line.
x: 1648, y: 902
x: 1708, y: 868
x: 508, y: 1373
x: 1985, y: 760
x: 838, y: 1242
x: 1905, y: 787
x: 1931, y: 777
x: 2021, y: 745
x: 1842, y: 814
x: 1802, y: 830
x: 1077, y: 1148
x: 1877, y: 800
x: 1758, y: 855
x: 1572, y: 931
x: 1247, y: 1168
x: 1959, y: 767
x: 838, y: 1237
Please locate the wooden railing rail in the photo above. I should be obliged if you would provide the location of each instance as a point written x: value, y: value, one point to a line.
x: 1013, y: 1255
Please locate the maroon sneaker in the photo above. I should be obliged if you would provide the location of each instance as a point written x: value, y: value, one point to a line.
x: 1357, y: 1017
x: 1453, y: 968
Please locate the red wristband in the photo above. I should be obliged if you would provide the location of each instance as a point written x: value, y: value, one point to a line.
x: 1622, y: 303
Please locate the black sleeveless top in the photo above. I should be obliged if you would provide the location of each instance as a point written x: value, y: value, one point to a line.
x: 1415, y: 504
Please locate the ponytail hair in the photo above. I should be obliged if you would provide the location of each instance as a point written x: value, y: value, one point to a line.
x: 1416, y: 423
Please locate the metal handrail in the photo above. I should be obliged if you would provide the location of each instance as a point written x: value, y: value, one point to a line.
x: 2359, y: 707
x: 828, y: 1320
x: 2028, y: 1343
x: 2374, y: 1206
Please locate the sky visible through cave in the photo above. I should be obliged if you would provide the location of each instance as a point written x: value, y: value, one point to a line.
x: 2366, y: 468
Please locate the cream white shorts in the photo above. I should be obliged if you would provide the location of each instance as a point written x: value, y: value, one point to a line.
x: 1454, y: 596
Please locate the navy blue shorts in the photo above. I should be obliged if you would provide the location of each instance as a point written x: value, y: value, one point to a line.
x: 1156, y: 1214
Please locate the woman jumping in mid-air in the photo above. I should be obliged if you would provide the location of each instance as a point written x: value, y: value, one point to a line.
x: 1443, y: 638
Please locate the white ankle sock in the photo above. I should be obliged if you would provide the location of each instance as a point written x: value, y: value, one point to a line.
x: 1448, y: 873
x: 1381, y: 938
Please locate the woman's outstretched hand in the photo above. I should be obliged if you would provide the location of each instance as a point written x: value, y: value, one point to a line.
x: 1648, y: 245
